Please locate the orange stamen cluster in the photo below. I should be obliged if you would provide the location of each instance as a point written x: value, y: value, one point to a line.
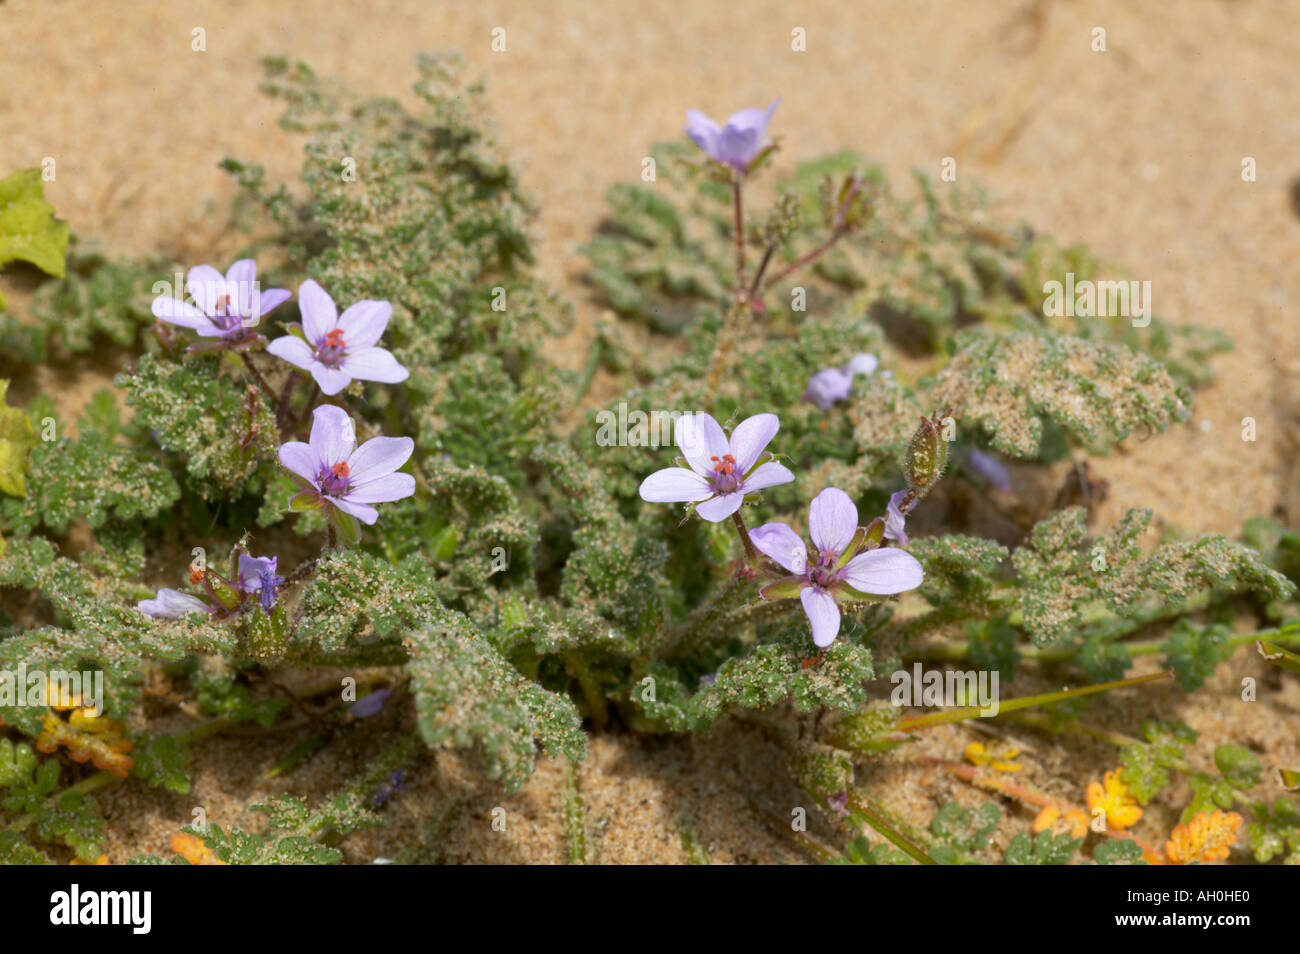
x: 724, y: 465
x: 341, y: 469
x: 334, y: 339
x: 196, y: 575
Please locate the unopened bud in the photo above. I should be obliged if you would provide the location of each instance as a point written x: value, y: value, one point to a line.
x: 926, y: 457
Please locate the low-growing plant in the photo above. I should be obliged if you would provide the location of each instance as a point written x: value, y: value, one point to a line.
x: 382, y: 474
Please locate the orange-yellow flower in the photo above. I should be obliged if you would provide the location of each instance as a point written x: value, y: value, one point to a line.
x: 194, y: 850
x: 1122, y: 811
x: 1209, y: 836
x: 101, y: 860
x: 1074, y: 817
x: 997, y: 756
x: 101, y: 740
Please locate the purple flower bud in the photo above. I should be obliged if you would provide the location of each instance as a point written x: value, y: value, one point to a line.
x: 369, y: 705
x: 172, y: 604
x: 834, y: 384
x: 895, y: 519
x: 991, y: 469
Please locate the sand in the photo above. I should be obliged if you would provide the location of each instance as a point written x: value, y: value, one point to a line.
x: 1136, y: 151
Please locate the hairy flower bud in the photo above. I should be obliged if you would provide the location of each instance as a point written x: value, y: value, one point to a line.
x: 926, y: 457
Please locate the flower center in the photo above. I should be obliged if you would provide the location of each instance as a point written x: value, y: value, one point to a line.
x: 224, y: 317
x: 330, y: 351
x: 335, y: 480
x: 725, y: 476
x: 824, y: 574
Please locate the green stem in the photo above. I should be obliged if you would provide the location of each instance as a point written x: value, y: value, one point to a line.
x: 751, y: 551
x: 1024, y: 702
x: 865, y: 814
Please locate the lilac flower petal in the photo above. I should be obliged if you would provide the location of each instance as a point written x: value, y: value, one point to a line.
x: 861, y: 364
x: 832, y: 520
x: 379, y: 456
x: 782, y: 544
x: 743, y: 136
x: 720, y: 508
x: 372, y: 364
x: 828, y: 386
x: 363, y: 512
x: 294, y: 350
x: 205, y: 284
x: 675, y: 485
x: 269, y: 300
x: 823, y: 614
x: 370, y: 704
x: 332, y: 434
x: 883, y: 572
x: 699, y: 437
x: 895, y: 520
x: 302, y: 460
x: 363, y: 324
x: 251, y: 569
x: 319, y: 315
x: 242, y: 272
x: 178, y: 312
x: 382, y: 489
x: 750, y: 437
x: 768, y: 475
x: 703, y: 131
x: 240, y: 278
x: 171, y: 604
x: 331, y: 380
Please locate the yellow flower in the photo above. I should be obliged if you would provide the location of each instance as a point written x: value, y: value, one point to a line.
x: 998, y: 756
x: 101, y: 740
x: 1209, y: 836
x: 1121, y: 809
x: 1074, y: 817
x: 194, y: 850
x: 101, y: 860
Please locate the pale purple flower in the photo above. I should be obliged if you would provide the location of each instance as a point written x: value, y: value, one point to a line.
x: 839, y: 804
x: 172, y: 604
x: 257, y: 575
x: 221, y: 302
x: 370, y: 704
x: 339, y: 348
x: 738, y: 142
x: 991, y: 469
x: 895, y: 519
x: 834, y: 384
x: 336, y: 473
x: 833, y: 568
x: 721, y: 471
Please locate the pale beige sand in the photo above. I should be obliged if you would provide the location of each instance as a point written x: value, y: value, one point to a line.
x: 1136, y: 151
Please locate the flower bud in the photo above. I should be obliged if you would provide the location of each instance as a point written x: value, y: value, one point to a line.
x: 926, y: 457
x: 222, y: 591
x: 265, y: 636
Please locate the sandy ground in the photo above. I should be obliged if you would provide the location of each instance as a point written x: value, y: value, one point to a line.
x: 1136, y: 151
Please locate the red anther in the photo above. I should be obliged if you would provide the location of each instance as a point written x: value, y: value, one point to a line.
x: 196, y: 575
x: 334, y: 339
x: 726, y: 466
x: 341, y: 469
